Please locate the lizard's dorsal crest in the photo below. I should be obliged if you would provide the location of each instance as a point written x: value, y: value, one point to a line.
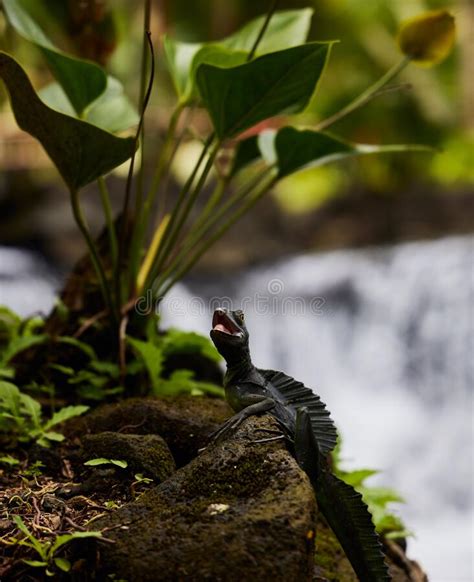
x: 296, y: 395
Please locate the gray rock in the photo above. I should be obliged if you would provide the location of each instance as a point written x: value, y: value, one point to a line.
x: 185, y: 422
x: 147, y: 454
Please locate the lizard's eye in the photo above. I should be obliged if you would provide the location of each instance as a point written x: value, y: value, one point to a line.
x: 241, y: 316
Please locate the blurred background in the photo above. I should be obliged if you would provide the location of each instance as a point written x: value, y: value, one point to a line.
x: 357, y: 277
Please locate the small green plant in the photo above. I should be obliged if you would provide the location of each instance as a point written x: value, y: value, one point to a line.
x: 47, y: 550
x: 378, y: 499
x: 153, y: 353
x: 102, y: 461
x: 265, y: 70
x: 17, y: 335
x: 33, y: 470
x: 9, y: 460
x: 91, y: 377
x: 140, y: 478
x: 21, y: 416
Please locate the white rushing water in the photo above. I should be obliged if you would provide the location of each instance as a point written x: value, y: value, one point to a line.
x: 386, y: 338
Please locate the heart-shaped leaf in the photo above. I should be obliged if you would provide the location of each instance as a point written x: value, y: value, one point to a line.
x: 179, y: 57
x: 80, y: 151
x: 292, y: 150
x: 112, y: 111
x: 184, y: 59
x: 283, y: 82
x: 287, y: 28
x: 82, y: 81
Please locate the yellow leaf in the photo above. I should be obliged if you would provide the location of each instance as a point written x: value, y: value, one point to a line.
x: 150, y: 256
x: 428, y: 38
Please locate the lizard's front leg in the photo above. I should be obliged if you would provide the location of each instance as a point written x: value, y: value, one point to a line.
x: 253, y: 404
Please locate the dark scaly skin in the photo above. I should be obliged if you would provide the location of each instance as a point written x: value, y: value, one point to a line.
x: 250, y: 391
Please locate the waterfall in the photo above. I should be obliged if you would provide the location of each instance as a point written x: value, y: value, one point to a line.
x: 385, y: 337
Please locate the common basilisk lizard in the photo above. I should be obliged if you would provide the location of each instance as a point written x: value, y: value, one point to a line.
x: 305, y: 422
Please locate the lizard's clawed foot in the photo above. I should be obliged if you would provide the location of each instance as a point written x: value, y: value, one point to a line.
x: 270, y: 439
x: 229, y: 425
x: 278, y: 435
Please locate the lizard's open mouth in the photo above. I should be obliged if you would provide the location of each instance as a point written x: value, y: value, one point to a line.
x: 221, y: 322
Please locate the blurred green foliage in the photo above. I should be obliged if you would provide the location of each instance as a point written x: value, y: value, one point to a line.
x: 435, y: 109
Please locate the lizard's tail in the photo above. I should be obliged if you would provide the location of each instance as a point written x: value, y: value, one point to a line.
x: 342, y: 506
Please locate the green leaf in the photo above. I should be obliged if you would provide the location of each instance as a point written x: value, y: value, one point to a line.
x: 9, y: 460
x: 97, y: 462
x: 179, y: 57
x: 82, y: 346
x: 292, y: 150
x: 66, y: 538
x: 33, y: 542
x: 63, y: 564
x: 215, y: 55
x: 20, y: 524
x: 183, y: 381
x: 80, y: 151
x: 278, y: 83
x: 184, y: 59
x: 10, y: 397
x: 119, y: 463
x: 82, y: 81
x: 32, y: 408
x: 287, y: 28
x: 9, y: 324
x: 35, y: 563
x: 54, y: 436
x: 142, y: 479
x: 7, y: 373
x: 103, y: 461
x: 246, y: 152
x: 21, y: 343
x: 152, y: 357
x: 66, y: 370
x: 381, y: 496
x: 65, y: 414
x: 356, y: 478
x: 108, y: 368
x: 176, y: 341
x: 113, y: 110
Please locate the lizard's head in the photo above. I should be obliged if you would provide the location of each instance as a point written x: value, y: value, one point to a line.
x: 229, y: 334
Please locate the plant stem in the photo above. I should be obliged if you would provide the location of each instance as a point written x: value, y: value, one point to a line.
x: 105, y: 198
x: 176, y: 221
x: 95, y: 258
x: 205, y: 223
x: 125, y: 211
x: 218, y: 234
x: 266, y: 22
x: 143, y: 86
x: 164, y: 158
x: 143, y: 213
x: 365, y: 96
x: 165, y: 176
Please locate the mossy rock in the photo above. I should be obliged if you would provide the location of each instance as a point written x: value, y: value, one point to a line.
x: 147, y: 454
x: 185, y: 422
x: 239, y: 511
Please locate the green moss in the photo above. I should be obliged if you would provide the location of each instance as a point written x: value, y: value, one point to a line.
x: 329, y: 558
x: 148, y: 454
